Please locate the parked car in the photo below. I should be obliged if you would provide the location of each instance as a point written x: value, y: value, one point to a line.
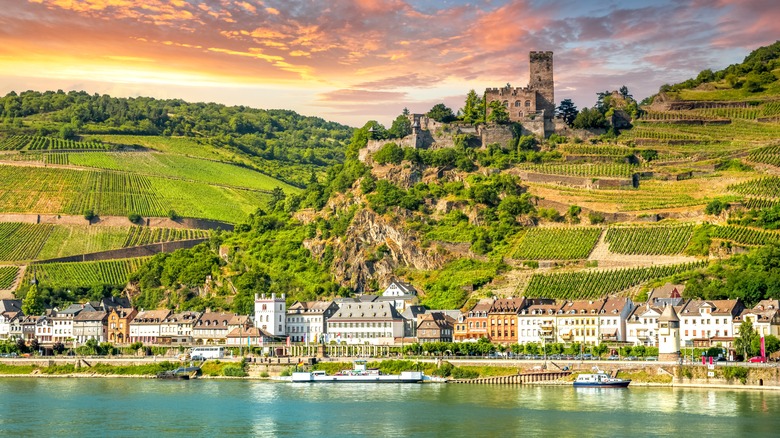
x: 651, y: 358
x: 631, y: 358
x: 757, y: 359
x: 613, y: 357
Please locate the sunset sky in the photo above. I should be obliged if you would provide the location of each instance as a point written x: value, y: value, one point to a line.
x: 355, y: 60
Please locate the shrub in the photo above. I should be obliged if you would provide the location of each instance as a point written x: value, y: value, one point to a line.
x: 740, y: 373
x: 135, y: 218
x: 89, y: 214
x: 233, y: 371
x: 461, y: 373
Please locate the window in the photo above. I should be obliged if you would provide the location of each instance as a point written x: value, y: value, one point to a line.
x: 527, y: 103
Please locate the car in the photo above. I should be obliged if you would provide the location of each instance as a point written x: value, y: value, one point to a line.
x: 613, y: 357
x: 653, y: 358
x: 757, y: 359
x: 631, y: 358
x: 721, y: 359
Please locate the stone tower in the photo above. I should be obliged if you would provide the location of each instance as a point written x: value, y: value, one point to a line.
x: 669, y: 335
x: 541, y: 80
x: 271, y: 314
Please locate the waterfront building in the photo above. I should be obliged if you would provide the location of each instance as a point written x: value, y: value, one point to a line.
x: 62, y: 321
x: 612, y: 319
x: 90, y: 325
x: 43, y: 329
x: 537, y: 323
x: 249, y: 337
x: 145, y: 326
x: 578, y: 321
x: 765, y: 317
x: 502, y: 320
x: 435, y: 327
x: 119, y: 318
x: 473, y: 325
x: 177, y: 327
x: 669, y: 335
x: 29, y: 323
x: 212, y: 328
x: 15, y: 327
x: 400, y: 295
x: 270, y: 314
x: 307, y: 320
x: 9, y: 311
x: 411, y: 318
x: 706, y: 323
x: 376, y: 323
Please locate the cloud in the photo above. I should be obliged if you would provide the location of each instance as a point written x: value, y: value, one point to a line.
x: 357, y: 95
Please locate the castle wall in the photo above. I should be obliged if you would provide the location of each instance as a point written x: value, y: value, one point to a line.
x: 500, y: 134
x: 541, y: 80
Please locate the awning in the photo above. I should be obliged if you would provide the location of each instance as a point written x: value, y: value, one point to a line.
x: 609, y: 331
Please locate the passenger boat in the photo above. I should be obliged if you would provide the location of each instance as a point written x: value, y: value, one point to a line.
x: 181, y: 373
x: 359, y: 374
x: 600, y: 380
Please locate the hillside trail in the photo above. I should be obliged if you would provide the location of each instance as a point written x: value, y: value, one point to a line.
x: 608, y: 259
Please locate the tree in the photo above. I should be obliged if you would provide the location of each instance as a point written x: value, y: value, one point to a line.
x: 33, y: 303
x: 474, y: 110
x: 89, y: 214
x: 441, y: 113
x: 498, y: 112
x: 277, y: 196
x: 401, y: 127
x: 624, y: 93
x: 744, y: 342
x: 567, y: 111
x: 135, y: 218
x: 590, y: 119
x: 67, y: 132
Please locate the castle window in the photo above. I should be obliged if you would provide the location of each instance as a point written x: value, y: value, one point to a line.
x: 506, y: 104
x: 517, y: 103
x: 527, y: 103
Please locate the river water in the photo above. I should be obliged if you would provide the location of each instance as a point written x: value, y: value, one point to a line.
x: 149, y: 408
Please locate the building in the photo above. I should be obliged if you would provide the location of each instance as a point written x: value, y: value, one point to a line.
x: 307, y: 320
x: 43, y: 330
x: 764, y: 316
x: 10, y: 311
x: 270, y: 314
x: 212, y: 328
x: 612, y: 319
x: 706, y: 323
x: 669, y: 335
x: 435, y: 327
x: 535, y: 100
x: 537, y: 323
x: 29, y: 324
x: 251, y: 337
x: 377, y: 323
x: 502, y: 320
x: 145, y: 326
x: 177, y: 327
x: 411, y: 317
x: 473, y: 325
x: 400, y: 294
x: 578, y: 321
x: 118, y: 326
x: 90, y: 325
x: 62, y: 321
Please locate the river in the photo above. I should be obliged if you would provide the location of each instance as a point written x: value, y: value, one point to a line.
x: 148, y: 408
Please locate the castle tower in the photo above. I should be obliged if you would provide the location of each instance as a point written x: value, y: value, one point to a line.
x: 271, y: 314
x: 541, y: 80
x: 669, y: 335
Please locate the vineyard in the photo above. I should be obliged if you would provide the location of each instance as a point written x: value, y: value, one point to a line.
x: 603, y: 150
x: 557, y: 243
x: 768, y: 187
x: 657, y: 240
x: 759, y: 203
x: 744, y: 235
x: 767, y: 155
x: 81, y: 274
x: 22, y: 241
x: 597, y: 284
x: 145, y: 235
x: 613, y: 170
x: 37, y: 143
x: 8, y: 276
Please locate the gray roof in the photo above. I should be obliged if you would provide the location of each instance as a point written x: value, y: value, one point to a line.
x: 10, y: 305
x: 366, y: 311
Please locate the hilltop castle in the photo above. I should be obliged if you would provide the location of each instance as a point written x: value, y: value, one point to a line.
x: 531, y: 102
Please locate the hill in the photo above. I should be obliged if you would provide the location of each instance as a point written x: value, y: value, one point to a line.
x: 687, y: 191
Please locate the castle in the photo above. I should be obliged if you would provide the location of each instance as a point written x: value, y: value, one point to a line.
x: 535, y: 100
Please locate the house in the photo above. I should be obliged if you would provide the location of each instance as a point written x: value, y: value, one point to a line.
x: 667, y: 295
x: 307, y: 320
x: 473, y: 325
x: 270, y: 314
x: 537, y: 323
x: 90, y: 325
x: 118, y: 326
x: 177, y: 327
x: 10, y: 310
x: 109, y: 303
x: 578, y: 321
x: 765, y: 317
x: 250, y: 337
x: 706, y: 323
x: 212, y: 328
x: 435, y: 327
x: 502, y: 320
x: 411, y: 317
x: 145, y: 326
x: 62, y: 321
x: 612, y: 319
x: 29, y: 324
x: 400, y: 294
x: 377, y: 323
x: 43, y: 329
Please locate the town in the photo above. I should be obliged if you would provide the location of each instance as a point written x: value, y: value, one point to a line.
x: 395, y: 318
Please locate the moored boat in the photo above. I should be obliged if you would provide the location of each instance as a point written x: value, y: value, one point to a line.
x: 181, y: 373
x: 359, y: 374
x: 600, y: 380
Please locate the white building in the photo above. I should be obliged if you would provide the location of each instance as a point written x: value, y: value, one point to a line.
x: 537, y: 323
x: 179, y: 325
x: 145, y: 327
x: 765, y: 317
x: 10, y: 310
x: 377, y: 323
x: 62, y: 322
x: 43, y: 330
x: 90, y: 325
x: 612, y: 319
x: 705, y: 323
x: 271, y: 314
x: 307, y: 320
x: 400, y: 294
x: 669, y: 335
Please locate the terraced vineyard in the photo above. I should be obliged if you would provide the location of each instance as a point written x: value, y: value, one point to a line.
x: 145, y: 235
x: 614, y: 170
x: 557, y: 243
x: 22, y: 241
x: 745, y: 235
x: 37, y: 143
x: 46, y: 190
x: 7, y: 276
x: 767, y: 187
x: 760, y: 203
x: 79, y: 274
x: 586, y: 149
x: 655, y: 240
x: 596, y: 284
x: 767, y: 155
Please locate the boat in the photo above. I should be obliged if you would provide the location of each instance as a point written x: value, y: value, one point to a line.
x: 600, y: 379
x: 181, y: 373
x: 359, y: 374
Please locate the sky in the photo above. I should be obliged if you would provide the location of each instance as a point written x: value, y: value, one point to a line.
x: 352, y: 61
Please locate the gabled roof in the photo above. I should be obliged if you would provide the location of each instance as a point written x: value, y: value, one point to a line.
x: 151, y: 316
x: 483, y: 306
x: 668, y: 290
x: 435, y: 320
x: 615, y: 305
x: 109, y: 303
x: 366, y: 311
x: 583, y: 307
x: 542, y: 309
x: 508, y: 305
x: 405, y: 288
x: 717, y: 307
x: 248, y: 332
x: 10, y: 306
x: 412, y: 312
x: 309, y: 306
x: 188, y: 317
x: 91, y: 316
x: 214, y: 319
